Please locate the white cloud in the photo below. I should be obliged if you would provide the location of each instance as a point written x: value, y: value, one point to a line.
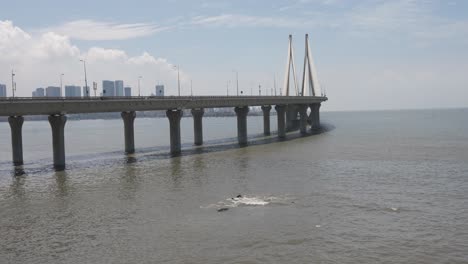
x: 98, y: 30
x: 238, y: 20
x: 38, y: 61
x: 95, y: 54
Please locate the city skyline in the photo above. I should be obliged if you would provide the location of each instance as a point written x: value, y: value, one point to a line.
x: 379, y: 49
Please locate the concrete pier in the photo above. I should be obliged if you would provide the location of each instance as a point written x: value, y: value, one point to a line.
x: 266, y: 119
x: 303, y: 118
x: 128, y: 119
x: 314, y: 116
x: 198, y: 125
x: 280, y: 114
x: 57, y: 123
x: 174, y: 125
x: 241, y: 113
x: 291, y: 118
x: 16, y: 125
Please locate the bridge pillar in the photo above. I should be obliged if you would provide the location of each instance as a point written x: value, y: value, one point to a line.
x: 128, y: 120
x: 16, y: 125
x: 198, y: 125
x: 241, y: 113
x: 57, y: 123
x: 291, y: 118
x: 303, y: 118
x: 174, y: 126
x: 280, y: 114
x: 266, y: 119
x: 314, y: 116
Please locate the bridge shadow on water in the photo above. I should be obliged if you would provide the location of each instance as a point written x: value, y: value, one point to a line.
x: 81, y: 162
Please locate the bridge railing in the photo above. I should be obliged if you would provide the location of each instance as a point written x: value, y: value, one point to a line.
x: 100, y: 98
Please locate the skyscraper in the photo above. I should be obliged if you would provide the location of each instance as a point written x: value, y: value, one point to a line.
x: 160, y: 90
x: 128, y: 91
x: 108, y: 88
x: 39, y: 92
x: 119, y: 88
x: 3, y: 90
x: 72, y: 91
x: 53, y: 91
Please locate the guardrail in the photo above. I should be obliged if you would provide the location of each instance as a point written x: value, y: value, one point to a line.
x: 99, y: 98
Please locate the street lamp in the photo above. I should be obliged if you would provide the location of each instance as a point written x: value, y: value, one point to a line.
x: 85, y: 80
x: 274, y: 82
x: 191, y: 88
x: 139, y: 78
x: 13, y: 84
x: 61, y: 76
x: 178, y: 78
x: 237, y: 81
x: 227, y: 87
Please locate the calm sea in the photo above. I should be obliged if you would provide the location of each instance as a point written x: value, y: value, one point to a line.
x: 375, y: 187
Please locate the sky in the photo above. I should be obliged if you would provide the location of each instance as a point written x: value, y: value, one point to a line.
x: 369, y: 54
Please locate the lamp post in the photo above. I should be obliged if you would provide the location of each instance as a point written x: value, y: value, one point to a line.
x: 13, y: 84
x: 274, y: 82
x: 85, y: 79
x: 139, y: 78
x: 61, y: 85
x: 237, y: 81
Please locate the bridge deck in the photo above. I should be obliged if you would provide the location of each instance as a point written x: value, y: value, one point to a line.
x: 50, y: 105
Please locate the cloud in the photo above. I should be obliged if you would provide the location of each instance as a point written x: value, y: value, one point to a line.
x: 238, y: 20
x: 39, y: 60
x: 98, y: 30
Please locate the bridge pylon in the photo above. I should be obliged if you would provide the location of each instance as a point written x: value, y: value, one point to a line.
x: 310, y: 84
x: 287, y: 74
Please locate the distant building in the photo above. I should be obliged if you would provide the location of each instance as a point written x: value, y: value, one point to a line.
x: 3, y: 90
x: 160, y: 90
x: 39, y: 92
x: 119, y: 88
x: 128, y: 91
x: 108, y: 88
x: 72, y: 91
x: 86, y: 91
x: 53, y: 91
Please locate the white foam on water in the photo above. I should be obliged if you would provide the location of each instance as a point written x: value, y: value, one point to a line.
x: 249, y: 201
x: 246, y: 201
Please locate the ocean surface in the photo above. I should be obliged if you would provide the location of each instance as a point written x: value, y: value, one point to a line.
x: 373, y: 187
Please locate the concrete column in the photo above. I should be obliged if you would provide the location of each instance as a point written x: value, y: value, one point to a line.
x: 314, y: 116
x: 291, y: 118
x: 303, y: 118
x: 57, y: 123
x: 241, y: 113
x: 266, y: 119
x: 174, y: 125
x: 16, y: 125
x: 198, y: 125
x: 280, y: 113
x: 128, y: 119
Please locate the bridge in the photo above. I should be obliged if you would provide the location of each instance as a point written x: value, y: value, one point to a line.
x: 292, y: 111
x: 289, y: 109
